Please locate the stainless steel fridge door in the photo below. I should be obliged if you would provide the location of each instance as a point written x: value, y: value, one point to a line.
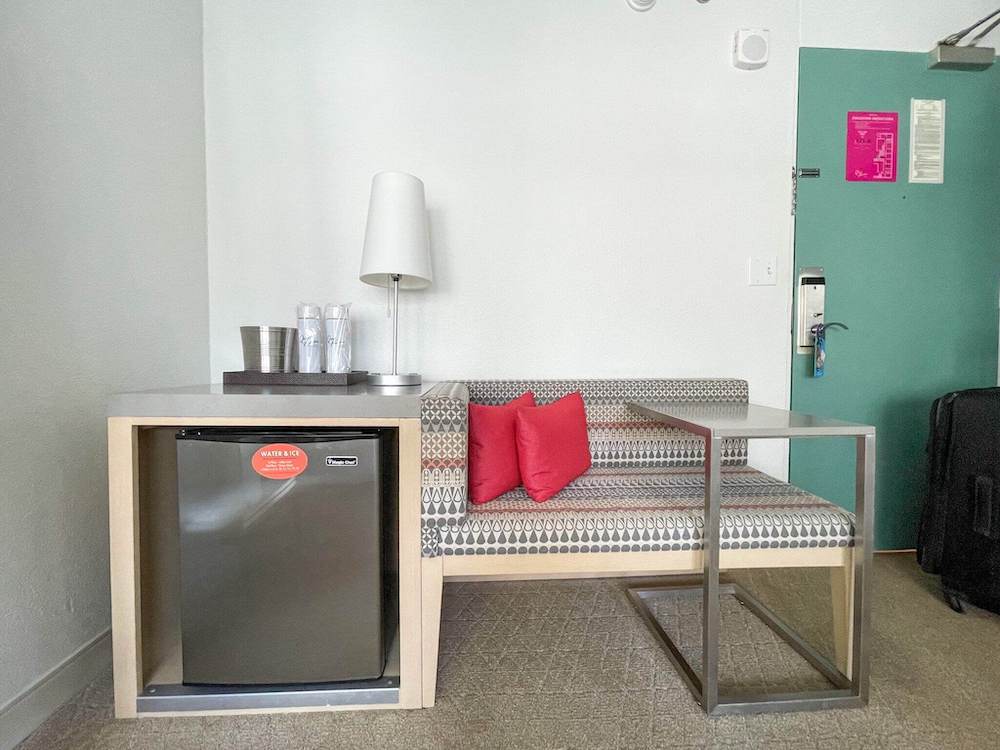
x: 280, y: 578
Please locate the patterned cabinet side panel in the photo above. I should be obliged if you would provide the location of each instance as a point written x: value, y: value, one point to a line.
x: 444, y: 434
x: 618, y: 436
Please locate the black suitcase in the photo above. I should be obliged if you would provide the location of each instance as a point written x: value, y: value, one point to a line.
x: 959, y: 536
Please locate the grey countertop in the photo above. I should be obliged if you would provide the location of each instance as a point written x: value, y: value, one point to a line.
x: 216, y: 400
x: 741, y: 420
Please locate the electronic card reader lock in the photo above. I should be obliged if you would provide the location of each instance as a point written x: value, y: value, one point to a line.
x: 812, y: 326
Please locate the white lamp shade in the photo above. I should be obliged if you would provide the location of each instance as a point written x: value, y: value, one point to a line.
x: 396, y: 240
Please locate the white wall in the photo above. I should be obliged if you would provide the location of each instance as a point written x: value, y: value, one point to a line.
x: 596, y: 180
x: 898, y: 25
x: 103, y: 288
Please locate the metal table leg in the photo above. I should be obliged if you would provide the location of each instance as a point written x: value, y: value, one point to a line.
x: 847, y: 693
x: 710, y: 549
x: 864, y: 541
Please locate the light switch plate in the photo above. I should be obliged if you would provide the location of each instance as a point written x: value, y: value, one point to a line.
x: 763, y: 271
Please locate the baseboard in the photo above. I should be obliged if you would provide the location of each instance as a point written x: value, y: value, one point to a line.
x: 23, y: 715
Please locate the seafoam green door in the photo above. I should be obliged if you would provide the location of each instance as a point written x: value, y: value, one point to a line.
x: 912, y: 269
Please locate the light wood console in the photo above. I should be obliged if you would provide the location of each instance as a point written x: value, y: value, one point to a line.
x: 144, y: 542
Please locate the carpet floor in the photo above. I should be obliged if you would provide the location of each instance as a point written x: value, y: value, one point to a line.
x: 569, y: 664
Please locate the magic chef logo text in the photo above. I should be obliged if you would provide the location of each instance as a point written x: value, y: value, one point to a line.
x: 341, y: 460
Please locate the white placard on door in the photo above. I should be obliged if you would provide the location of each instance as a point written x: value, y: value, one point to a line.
x: 927, y: 140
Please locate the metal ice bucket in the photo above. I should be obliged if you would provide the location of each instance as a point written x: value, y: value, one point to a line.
x: 268, y: 348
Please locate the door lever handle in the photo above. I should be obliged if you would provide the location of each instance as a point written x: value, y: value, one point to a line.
x: 821, y: 328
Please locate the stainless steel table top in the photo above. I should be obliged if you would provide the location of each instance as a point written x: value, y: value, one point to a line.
x: 739, y: 420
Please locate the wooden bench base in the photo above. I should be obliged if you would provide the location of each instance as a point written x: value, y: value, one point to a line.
x: 436, y: 570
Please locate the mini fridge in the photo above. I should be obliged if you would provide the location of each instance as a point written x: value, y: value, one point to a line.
x: 287, y: 549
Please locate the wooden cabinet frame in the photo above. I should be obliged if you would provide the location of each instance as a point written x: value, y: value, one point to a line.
x: 126, y: 506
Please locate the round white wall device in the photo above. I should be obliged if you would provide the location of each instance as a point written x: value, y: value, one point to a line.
x: 750, y: 48
x: 641, y: 5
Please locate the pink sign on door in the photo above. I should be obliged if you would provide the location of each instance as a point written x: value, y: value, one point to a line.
x: 872, y: 142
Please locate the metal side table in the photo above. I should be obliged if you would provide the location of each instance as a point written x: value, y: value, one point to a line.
x: 715, y: 423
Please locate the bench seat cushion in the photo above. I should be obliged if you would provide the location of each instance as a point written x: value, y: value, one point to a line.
x: 647, y: 509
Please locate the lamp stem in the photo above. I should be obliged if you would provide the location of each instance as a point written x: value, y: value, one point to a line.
x: 395, y: 319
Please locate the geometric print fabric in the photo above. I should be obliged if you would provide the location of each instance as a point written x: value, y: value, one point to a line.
x: 644, y: 491
x: 617, y: 511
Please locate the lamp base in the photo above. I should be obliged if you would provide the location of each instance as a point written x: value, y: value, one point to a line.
x: 387, y: 379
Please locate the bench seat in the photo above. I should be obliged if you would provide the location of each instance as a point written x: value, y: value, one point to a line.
x: 650, y: 509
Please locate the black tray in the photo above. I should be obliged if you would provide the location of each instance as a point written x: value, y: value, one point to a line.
x: 247, y: 377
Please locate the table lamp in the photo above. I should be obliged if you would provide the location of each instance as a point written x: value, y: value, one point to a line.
x: 397, y: 251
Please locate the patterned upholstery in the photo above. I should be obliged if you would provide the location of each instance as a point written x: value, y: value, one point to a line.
x: 635, y: 510
x: 619, y: 436
x: 644, y: 491
x: 444, y: 435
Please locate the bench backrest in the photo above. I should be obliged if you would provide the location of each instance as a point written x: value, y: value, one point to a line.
x: 618, y: 436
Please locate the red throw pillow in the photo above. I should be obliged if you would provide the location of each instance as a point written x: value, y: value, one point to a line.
x: 552, y: 445
x: 493, y: 468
